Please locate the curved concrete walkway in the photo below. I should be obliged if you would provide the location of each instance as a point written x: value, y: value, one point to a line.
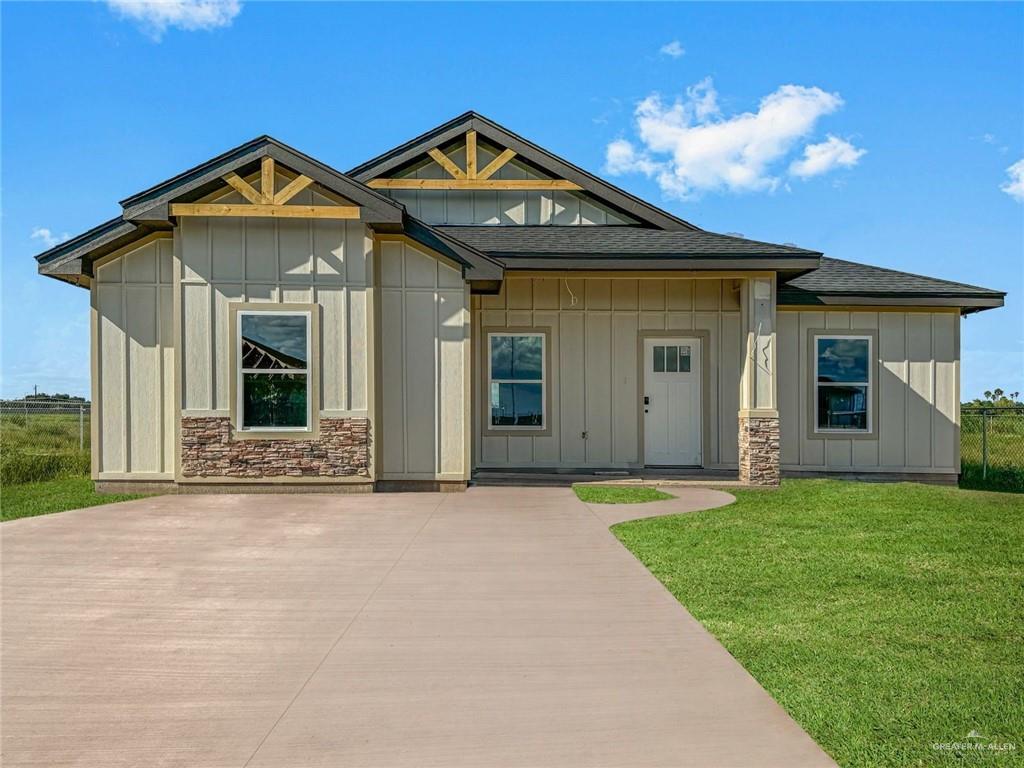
x: 500, y: 627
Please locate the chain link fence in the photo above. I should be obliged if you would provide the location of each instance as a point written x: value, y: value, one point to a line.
x: 42, y: 439
x: 992, y: 447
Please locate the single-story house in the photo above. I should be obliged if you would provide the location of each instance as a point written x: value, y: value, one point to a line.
x: 470, y: 302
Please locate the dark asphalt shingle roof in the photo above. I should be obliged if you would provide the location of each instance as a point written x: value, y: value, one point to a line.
x: 836, y: 277
x: 543, y: 241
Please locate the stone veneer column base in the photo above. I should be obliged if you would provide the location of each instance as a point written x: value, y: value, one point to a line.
x: 208, y: 449
x: 759, y: 450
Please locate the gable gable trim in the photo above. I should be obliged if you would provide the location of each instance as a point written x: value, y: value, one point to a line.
x: 607, y: 193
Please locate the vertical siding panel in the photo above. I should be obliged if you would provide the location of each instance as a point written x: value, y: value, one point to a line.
x: 625, y: 396
x: 169, y: 429
x: 598, y: 385
x: 144, y: 401
x: 260, y: 250
x: 226, y: 245
x: 195, y: 250
x: 392, y: 382
x: 944, y: 429
x: 710, y: 322
x: 787, y: 358
x: 112, y: 374
x: 919, y: 396
x: 812, y: 452
x: 452, y: 394
x: 334, y: 359
x: 329, y: 248
x: 892, y: 389
x: 356, y: 365
x: 223, y: 295
x: 572, y: 392
x: 296, y: 259
x: 196, y: 340
x: 727, y: 424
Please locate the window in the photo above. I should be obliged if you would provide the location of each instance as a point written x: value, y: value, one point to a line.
x: 516, y: 369
x: 842, y: 383
x: 273, y: 370
x: 672, y: 359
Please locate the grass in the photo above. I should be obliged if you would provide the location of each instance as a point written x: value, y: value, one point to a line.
x: 619, y: 494
x: 884, y: 618
x: 30, y: 499
x: 41, y: 446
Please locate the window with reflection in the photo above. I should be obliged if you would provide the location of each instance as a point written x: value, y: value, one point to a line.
x: 842, y: 383
x: 516, y: 364
x: 273, y: 375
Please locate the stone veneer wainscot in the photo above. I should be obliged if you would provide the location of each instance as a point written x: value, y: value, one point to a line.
x: 759, y: 450
x: 209, y: 450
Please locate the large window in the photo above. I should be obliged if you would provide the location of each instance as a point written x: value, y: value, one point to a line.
x: 273, y: 370
x: 842, y: 383
x: 516, y: 372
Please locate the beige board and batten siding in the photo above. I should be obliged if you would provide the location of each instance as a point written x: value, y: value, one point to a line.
x: 133, y: 363
x: 916, y: 391
x: 508, y: 207
x: 424, y: 353
x: 325, y: 262
x: 594, y: 376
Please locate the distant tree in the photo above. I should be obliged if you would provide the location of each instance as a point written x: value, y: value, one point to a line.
x: 997, y: 398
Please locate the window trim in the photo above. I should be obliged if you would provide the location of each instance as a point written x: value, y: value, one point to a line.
x: 508, y: 430
x: 237, y: 381
x: 813, y: 429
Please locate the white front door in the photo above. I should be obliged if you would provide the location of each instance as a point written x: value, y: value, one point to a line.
x: 672, y: 406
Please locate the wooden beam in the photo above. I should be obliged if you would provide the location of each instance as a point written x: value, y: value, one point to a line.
x: 267, y: 211
x: 244, y: 188
x: 267, y: 180
x: 447, y: 163
x: 291, y: 189
x: 520, y: 185
x: 471, y: 154
x: 496, y: 164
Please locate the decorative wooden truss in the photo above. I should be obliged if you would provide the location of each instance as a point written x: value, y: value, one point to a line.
x: 471, y: 177
x: 266, y: 202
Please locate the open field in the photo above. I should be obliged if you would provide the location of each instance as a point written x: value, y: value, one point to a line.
x: 886, y: 618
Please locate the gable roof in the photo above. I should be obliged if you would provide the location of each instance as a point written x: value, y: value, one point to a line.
x: 205, y: 178
x: 837, y: 281
x: 414, y: 149
x: 615, y: 247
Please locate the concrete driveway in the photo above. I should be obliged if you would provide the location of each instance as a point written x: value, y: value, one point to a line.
x: 500, y: 627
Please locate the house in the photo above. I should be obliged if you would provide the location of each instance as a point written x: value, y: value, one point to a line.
x: 469, y: 301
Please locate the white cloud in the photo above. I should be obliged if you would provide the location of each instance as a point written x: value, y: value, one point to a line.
x: 826, y: 156
x: 690, y: 147
x: 48, y: 238
x: 156, y: 16
x: 673, y: 49
x: 1014, y: 187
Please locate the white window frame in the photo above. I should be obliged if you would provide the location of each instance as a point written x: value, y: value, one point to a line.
x: 870, y: 384
x: 240, y: 371
x: 543, y: 381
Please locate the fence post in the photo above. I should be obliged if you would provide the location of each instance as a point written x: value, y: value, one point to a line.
x: 984, y: 445
x: 81, y: 427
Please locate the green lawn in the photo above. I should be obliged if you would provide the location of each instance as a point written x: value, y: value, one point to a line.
x: 619, y: 494
x: 65, y: 493
x: 884, y: 618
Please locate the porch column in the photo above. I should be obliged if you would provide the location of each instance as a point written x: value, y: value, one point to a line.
x: 759, y: 415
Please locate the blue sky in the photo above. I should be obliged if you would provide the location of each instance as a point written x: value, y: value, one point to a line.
x: 873, y: 132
